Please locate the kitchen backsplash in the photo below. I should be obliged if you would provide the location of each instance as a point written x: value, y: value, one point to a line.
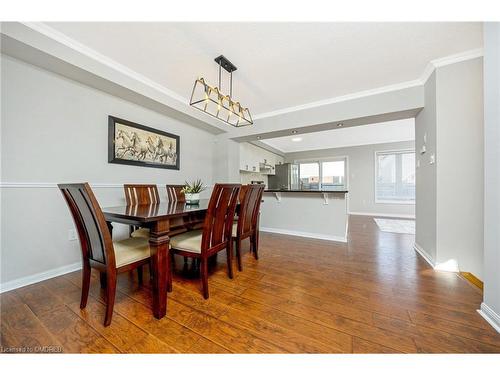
x: 247, y: 178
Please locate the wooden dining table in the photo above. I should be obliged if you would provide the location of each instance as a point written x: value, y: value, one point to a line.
x: 161, y: 219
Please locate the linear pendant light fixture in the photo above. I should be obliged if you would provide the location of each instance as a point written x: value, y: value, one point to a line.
x: 212, y: 101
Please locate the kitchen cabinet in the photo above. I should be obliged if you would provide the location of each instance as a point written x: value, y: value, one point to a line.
x: 251, y: 157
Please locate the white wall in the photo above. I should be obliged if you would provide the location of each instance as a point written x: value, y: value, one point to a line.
x: 55, y: 130
x: 426, y: 182
x: 226, y: 160
x: 361, y: 168
x: 491, y: 275
x: 450, y: 192
x: 459, y: 164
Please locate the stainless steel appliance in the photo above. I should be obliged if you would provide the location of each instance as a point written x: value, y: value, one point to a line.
x: 286, y: 177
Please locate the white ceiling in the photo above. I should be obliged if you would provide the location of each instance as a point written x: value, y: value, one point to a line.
x: 383, y: 132
x: 280, y: 65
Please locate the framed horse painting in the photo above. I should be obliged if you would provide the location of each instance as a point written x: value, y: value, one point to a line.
x: 139, y: 145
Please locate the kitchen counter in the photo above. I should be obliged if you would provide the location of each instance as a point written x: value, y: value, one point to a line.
x: 320, y: 214
x: 305, y: 191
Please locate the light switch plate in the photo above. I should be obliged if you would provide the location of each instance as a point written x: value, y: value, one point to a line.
x: 418, y: 163
x: 71, y: 235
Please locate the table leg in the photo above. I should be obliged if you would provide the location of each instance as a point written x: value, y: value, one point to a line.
x: 158, y: 244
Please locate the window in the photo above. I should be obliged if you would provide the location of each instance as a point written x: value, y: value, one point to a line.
x: 309, y: 176
x: 395, y: 177
x: 322, y: 175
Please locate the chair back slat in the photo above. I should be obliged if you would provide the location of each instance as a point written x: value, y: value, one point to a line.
x: 175, y: 194
x: 141, y: 194
x: 218, y: 222
x: 95, y: 238
x: 249, y: 207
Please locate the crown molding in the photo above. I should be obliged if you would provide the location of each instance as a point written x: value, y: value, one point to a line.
x: 40, y: 45
x: 183, y: 103
x: 459, y: 57
x: 429, y: 69
x: 343, y: 98
x: 449, y: 60
x: 59, y: 37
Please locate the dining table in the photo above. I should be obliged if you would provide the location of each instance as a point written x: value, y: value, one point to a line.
x: 162, y: 219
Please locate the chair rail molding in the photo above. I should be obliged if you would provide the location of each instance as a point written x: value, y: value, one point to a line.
x: 52, y: 185
x: 7, y: 185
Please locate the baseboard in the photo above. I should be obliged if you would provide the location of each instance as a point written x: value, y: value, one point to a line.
x: 32, y: 279
x: 490, y: 316
x: 304, y: 234
x: 419, y: 249
x: 472, y: 279
x: 382, y: 215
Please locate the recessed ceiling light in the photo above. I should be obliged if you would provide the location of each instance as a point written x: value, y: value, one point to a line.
x: 296, y: 139
x: 294, y: 131
x: 339, y: 125
x: 259, y: 137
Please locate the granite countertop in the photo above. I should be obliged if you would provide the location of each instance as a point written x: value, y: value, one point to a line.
x: 340, y: 190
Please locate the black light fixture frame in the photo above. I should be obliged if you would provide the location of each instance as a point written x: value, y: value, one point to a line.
x: 229, y: 67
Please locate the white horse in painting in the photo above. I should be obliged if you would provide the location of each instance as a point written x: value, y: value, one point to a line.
x: 161, y: 153
x: 140, y: 147
x: 123, y: 144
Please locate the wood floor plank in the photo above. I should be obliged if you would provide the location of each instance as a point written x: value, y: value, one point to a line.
x: 335, y: 340
x: 232, y: 338
x: 22, y: 330
x: 361, y: 346
x: 123, y: 334
x: 351, y: 327
x: 320, y: 309
x: 487, y: 335
x: 430, y: 340
x: 249, y: 318
x: 150, y: 344
x: 374, y: 294
x: 205, y: 346
x: 74, y: 334
x: 167, y: 330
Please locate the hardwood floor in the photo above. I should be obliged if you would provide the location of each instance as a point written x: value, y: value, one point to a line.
x: 372, y: 295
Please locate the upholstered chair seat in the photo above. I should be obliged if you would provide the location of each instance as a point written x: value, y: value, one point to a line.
x: 215, y: 235
x: 189, y: 241
x: 97, y: 246
x: 140, y: 233
x: 131, y: 250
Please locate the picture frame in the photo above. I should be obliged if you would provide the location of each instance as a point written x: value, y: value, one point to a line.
x: 134, y: 144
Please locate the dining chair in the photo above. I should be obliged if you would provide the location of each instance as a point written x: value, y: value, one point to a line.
x: 215, y: 235
x: 136, y: 194
x: 248, y: 218
x: 98, y: 249
x: 175, y: 193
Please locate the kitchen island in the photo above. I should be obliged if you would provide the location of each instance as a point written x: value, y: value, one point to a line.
x: 321, y: 214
